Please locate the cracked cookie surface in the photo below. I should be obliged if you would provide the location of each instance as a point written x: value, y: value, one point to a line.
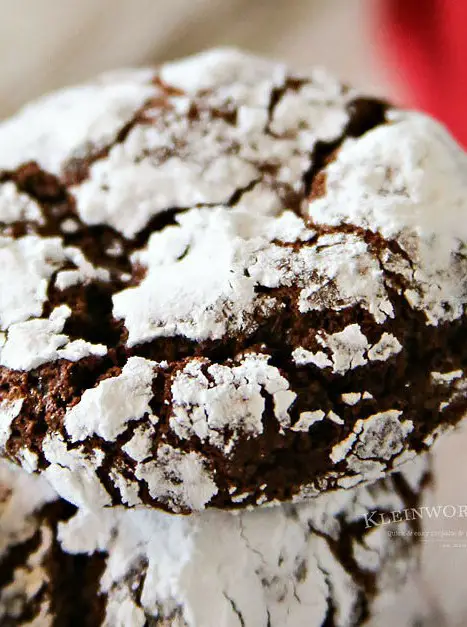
x: 325, y: 562
x: 224, y: 284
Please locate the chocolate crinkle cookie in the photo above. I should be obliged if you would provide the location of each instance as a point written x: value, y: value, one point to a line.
x: 323, y: 562
x: 224, y: 285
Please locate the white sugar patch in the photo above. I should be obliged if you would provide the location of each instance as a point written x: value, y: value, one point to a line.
x: 316, y: 106
x: 106, y: 409
x: 140, y: 444
x: 308, y: 419
x: 226, y: 69
x: 27, y: 265
x: 151, y: 188
x: 129, y: 490
x: 38, y: 341
x: 382, y: 435
x: 202, y: 276
x: 28, y: 459
x: 178, y: 479
x: 385, y: 348
x: 407, y: 180
x: 66, y: 123
x: 78, y: 349
x: 9, y: 410
x: 21, y: 496
x: 379, y: 437
x: 85, y: 271
x: 194, y: 284
x: 331, y: 415
x: 346, y: 350
x: 16, y: 206
x: 303, y: 357
x: 351, y: 398
x: 72, y: 473
x: 446, y: 377
x: 227, y: 403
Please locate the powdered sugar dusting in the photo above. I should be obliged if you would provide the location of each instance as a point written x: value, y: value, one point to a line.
x: 152, y: 561
x: 38, y: 341
x: 180, y: 480
x: 302, y: 357
x: 9, y: 410
x: 128, y: 489
x: 15, y: 206
x: 373, y: 441
x: 184, y: 232
x: 194, y: 284
x: 27, y: 264
x: 230, y: 403
x: 151, y: 187
x: 202, y: 277
x: 307, y: 419
x: 387, y: 346
x: 72, y: 473
x: 106, y: 409
x: 23, y: 593
x: 351, y: 398
x: 224, y: 68
x: 84, y: 272
x: 406, y: 181
x: 140, y: 444
x: 87, y: 115
x: 25, y: 494
x: 347, y: 349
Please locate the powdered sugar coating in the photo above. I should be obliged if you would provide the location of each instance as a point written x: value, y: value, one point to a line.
x: 139, y: 447
x: 9, y: 410
x: 351, y: 398
x: 386, y: 347
x: 106, y: 409
x: 87, y: 115
x: 72, y: 473
x: 347, y: 349
x: 307, y: 419
x: 27, y: 266
x: 279, y: 567
x: 203, y: 278
x: 373, y: 441
x: 15, y: 206
x: 398, y: 180
x: 206, y: 266
x: 34, y: 342
x: 180, y: 481
x: 230, y: 402
x: 226, y: 70
x: 211, y: 405
x: 192, y: 285
x: 20, y: 497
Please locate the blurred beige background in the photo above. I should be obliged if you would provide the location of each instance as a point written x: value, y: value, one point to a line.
x: 48, y: 43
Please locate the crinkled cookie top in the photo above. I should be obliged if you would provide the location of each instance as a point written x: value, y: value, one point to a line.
x: 286, y: 566
x: 225, y: 284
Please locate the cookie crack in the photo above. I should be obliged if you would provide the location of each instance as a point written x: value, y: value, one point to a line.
x: 329, y: 619
x: 235, y: 609
x: 365, y: 114
x: 277, y: 94
x: 247, y: 542
x: 77, y: 169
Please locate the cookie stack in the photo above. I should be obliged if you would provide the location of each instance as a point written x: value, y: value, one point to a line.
x: 232, y: 322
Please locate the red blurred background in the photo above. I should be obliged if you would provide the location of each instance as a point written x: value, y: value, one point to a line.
x: 425, y: 44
